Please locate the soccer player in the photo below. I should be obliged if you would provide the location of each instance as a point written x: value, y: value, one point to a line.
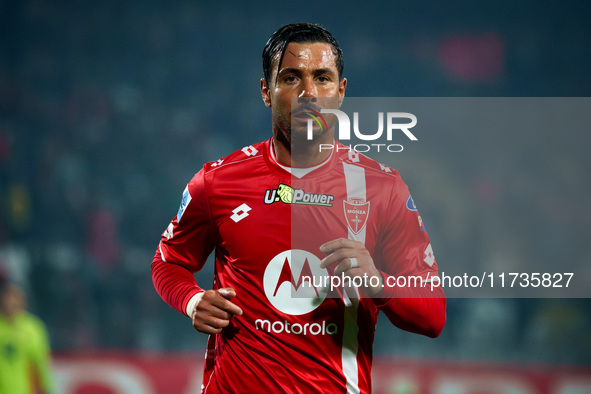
x: 24, y: 347
x: 280, y: 211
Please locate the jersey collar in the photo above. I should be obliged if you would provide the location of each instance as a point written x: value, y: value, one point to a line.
x: 300, y: 172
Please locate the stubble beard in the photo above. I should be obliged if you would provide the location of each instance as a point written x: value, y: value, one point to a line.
x: 297, y: 137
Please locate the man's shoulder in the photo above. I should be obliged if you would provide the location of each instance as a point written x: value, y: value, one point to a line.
x: 238, y: 164
x: 30, y: 321
x: 371, y: 166
x: 239, y: 160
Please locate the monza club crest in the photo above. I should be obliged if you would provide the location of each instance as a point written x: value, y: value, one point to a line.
x: 356, y: 213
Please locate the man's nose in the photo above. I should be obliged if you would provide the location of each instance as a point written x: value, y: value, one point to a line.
x: 309, y: 90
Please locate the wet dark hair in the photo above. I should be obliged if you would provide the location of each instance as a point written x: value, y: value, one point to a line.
x: 298, y: 32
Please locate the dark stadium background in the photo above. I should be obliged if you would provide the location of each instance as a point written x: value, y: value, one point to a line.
x: 108, y: 108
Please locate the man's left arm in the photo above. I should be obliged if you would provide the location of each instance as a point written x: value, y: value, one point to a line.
x: 404, y: 263
x: 419, y: 309
x: 405, y: 258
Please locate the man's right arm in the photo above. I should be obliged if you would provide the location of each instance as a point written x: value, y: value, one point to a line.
x: 184, y: 247
x: 175, y: 284
x: 209, y: 310
x: 183, y: 250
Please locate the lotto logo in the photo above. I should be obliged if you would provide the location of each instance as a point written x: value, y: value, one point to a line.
x: 250, y: 150
x: 384, y: 168
x: 429, y: 256
x: 353, y: 156
x: 169, y: 231
x: 240, y: 213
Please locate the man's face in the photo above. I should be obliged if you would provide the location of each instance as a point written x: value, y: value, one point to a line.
x: 12, y: 300
x: 308, y: 72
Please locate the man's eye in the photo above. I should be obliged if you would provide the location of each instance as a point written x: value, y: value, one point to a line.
x: 289, y: 79
x: 323, y: 78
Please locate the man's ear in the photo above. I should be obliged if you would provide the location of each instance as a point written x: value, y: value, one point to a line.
x: 265, y: 93
x: 342, y: 88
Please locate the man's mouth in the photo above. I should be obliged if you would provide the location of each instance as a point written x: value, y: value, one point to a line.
x: 305, y: 113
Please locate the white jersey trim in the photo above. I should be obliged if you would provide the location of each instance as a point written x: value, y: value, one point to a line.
x: 356, y: 188
x: 161, y: 252
x: 298, y: 172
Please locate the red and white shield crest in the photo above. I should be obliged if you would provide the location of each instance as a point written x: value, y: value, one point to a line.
x: 356, y: 213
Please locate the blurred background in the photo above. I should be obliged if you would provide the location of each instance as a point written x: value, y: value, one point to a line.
x: 108, y: 108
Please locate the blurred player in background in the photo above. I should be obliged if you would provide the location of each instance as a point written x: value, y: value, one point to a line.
x: 24, y: 346
x: 280, y: 210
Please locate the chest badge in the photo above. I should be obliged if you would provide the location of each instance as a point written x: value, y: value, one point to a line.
x: 356, y: 213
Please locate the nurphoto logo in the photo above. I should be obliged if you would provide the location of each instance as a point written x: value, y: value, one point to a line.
x: 393, y: 125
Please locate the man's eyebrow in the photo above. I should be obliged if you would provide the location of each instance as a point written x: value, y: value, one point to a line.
x: 323, y: 71
x: 293, y: 70
x: 289, y: 70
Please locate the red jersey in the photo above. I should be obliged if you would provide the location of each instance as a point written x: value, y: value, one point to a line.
x: 266, y: 227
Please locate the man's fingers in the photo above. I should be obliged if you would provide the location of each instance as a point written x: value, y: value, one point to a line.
x: 219, y: 299
x: 213, y: 327
x: 343, y: 266
x: 227, y: 306
x: 210, y: 321
x: 338, y: 243
x: 214, y: 311
x: 338, y: 255
x: 227, y: 292
x: 214, y: 322
x: 208, y: 330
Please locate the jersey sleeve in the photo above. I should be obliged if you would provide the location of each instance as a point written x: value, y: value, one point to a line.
x: 184, y: 247
x: 407, y: 263
x: 405, y: 248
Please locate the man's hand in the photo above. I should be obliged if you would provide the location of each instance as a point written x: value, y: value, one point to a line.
x: 214, y: 311
x: 352, y: 259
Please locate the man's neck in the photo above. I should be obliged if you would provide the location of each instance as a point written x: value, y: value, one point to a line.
x: 300, y: 155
